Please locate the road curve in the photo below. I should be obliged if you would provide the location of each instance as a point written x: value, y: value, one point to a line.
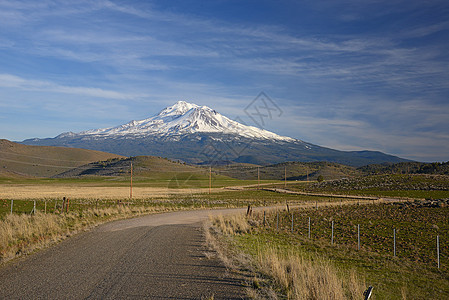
x: 152, y: 257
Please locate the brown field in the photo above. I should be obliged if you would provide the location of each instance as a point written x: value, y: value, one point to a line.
x: 22, y: 192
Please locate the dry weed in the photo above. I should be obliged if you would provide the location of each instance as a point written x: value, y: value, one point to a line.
x: 20, y: 231
x: 23, y: 233
x: 404, y: 293
x: 73, y: 191
x: 235, y: 224
x: 296, y: 276
x: 302, y: 278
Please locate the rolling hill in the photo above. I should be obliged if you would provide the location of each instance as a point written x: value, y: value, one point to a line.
x: 142, y: 166
x: 44, y: 161
x: 146, y: 169
x: 293, y: 170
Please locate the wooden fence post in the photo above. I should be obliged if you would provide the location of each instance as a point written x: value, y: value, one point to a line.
x: 12, y: 204
x: 63, y: 205
x: 248, y: 211
x: 67, y: 206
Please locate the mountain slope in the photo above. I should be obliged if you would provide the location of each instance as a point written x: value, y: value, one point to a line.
x: 43, y: 161
x: 143, y: 166
x: 145, y: 169
x: 293, y: 171
x: 199, y: 134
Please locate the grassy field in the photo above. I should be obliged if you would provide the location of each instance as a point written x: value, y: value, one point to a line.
x: 396, y: 185
x: 112, y: 188
x: 291, y: 170
x: 166, y: 180
x: 279, y: 272
x: 411, y: 274
x: 109, y: 196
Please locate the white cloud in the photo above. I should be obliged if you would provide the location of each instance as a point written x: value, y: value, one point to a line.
x: 12, y: 81
x: 363, y: 86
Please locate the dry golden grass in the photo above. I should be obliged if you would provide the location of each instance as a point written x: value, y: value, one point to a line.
x: 298, y: 277
x: 234, y: 224
x: 308, y: 279
x: 20, y: 234
x: 20, y: 192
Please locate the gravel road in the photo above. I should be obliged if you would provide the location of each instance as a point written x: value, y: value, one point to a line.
x: 152, y: 257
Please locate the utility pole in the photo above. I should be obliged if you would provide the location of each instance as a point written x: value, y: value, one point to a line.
x: 131, y: 183
x: 258, y: 178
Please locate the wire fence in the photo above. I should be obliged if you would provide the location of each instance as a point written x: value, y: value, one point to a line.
x: 355, y: 227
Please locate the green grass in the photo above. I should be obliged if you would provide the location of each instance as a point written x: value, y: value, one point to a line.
x: 80, y: 205
x: 414, y: 269
x: 415, y: 194
x: 224, y: 199
x: 175, y: 181
x: 397, y: 185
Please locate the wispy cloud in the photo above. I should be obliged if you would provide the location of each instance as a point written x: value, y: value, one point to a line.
x: 12, y: 81
x: 337, y: 72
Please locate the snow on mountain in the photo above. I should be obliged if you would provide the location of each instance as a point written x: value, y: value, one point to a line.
x: 185, y: 118
x: 199, y: 134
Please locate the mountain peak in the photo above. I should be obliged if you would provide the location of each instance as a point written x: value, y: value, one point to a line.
x: 191, y: 132
x: 185, y: 118
x: 177, y: 109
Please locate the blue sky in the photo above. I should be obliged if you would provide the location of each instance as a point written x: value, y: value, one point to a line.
x: 347, y: 74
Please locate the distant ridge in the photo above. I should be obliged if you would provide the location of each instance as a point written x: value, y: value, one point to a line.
x: 200, y: 135
x: 44, y: 161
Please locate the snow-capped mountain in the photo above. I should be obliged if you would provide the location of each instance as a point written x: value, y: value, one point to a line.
x: 180, y: 119
x: 199, y: 134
